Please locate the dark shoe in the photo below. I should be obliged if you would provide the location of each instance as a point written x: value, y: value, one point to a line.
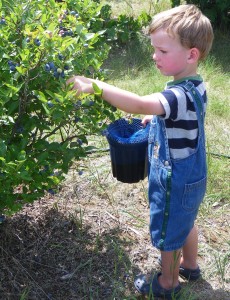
x: 189, y: 274
x: 154, y: 289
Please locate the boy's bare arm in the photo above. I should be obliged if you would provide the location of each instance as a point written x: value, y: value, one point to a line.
x: 122, y: 99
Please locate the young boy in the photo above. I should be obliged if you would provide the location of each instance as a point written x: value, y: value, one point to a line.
x: 181, y: 37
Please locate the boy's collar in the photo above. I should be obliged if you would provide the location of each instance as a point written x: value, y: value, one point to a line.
x: 173, y: 82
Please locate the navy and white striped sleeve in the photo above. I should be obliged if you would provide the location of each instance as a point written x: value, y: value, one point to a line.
x: 169, y: 100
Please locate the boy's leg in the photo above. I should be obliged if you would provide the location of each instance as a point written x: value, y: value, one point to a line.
x: 190, y: 250
x: 170, y: 269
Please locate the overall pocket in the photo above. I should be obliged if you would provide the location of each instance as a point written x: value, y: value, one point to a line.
x: 162, y: 175
x: 194, y: 194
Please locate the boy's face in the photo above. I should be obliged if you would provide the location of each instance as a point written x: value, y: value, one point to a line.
x: 171, y: 58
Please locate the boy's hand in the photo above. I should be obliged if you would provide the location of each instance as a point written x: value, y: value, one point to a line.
x: 146, y: 120
x: 81, y: 84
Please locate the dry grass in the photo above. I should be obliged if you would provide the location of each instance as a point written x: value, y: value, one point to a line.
x: 90, y: 240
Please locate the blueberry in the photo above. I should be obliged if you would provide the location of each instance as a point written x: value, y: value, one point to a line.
x: 76, y: 15
x: 47, y: 67
x: 52, y: 66
x: 86, y: 45
x: 66, y: 67
x: 80, y: 173
x: 73, y: 12
x: 69, y: 33
x: 50, y: 104
x: 57, y: 173
x: 60, y: 56
x: 76, y: 119
x: 51, y: 191
x: 3, y: 21
x: 37, y: 42
x: 79, y: 142
x: 12, y: 68
x: 56, y: 74
x: 10, y: 63
x: 77, y: 104
x: 28, y: 40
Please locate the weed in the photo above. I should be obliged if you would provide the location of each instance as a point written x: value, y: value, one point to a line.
x: 222, y: 263
x: 24, y: 295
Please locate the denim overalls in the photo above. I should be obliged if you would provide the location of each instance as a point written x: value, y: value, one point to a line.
x: 176, y: 187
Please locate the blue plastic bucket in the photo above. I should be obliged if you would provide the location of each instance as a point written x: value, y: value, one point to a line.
x: 128, y: 141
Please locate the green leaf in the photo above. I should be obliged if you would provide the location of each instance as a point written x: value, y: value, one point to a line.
x: 97, y: 90
x: 14, y: 88
x: 79, y: 28
x: 89, y: 36
x: 25, y: 176
x: 46, y: 109
x: 22, y: 155
x: 3, y: 148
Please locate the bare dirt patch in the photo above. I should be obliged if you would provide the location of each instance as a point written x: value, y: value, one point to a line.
x: 91, y: 239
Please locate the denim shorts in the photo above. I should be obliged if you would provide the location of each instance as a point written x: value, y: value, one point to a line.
x: 176, y: 190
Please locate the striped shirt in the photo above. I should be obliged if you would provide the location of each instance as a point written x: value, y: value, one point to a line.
x: 181, y: 118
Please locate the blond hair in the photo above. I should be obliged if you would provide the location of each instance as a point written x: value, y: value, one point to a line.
x: 187, y: 22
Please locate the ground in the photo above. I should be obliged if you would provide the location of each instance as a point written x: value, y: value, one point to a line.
x: 91, y: 239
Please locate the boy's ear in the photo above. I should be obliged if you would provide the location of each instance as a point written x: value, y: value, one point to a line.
x: 194, y: 55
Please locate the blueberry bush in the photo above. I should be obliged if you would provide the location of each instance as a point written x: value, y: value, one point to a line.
x: 43, y: 127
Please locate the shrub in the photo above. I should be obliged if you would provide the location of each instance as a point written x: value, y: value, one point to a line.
x: 218, y: 11
x: 43, y: 127
x: 123, y: 28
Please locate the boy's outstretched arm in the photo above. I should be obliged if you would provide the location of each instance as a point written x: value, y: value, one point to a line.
x: 122, y: 99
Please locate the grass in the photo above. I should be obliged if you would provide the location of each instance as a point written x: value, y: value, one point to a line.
x: 135, y: 8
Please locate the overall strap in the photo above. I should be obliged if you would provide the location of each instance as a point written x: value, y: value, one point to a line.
x: 197, y: 98
x: 198, y: 102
